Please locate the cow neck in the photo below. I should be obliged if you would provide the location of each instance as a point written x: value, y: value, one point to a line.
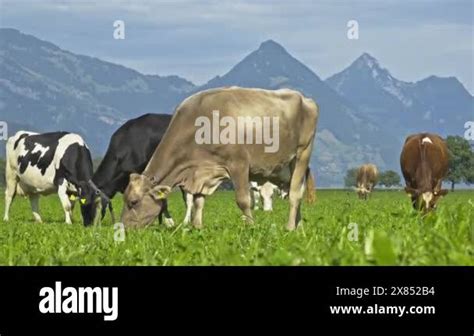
x: 105, y: 186
x: 162, y: 171
x: 105, y: 175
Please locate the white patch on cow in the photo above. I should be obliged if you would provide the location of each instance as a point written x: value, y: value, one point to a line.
x: 426, y: 140
x: 189, y: 208
x: 427, y: 197
x: 169, y: 222
x: 65, y: 202
x: 41, y: 149
x: 254, y: 195
x: 266, y: 191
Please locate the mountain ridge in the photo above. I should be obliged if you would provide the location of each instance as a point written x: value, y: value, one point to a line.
x: 365, y: 111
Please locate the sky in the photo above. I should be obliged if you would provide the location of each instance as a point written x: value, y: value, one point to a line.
x: 198, y: 40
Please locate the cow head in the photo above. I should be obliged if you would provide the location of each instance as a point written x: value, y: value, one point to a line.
x: 425, y: 200
x: 266, y: 191
x: 143, y: 201
x: 362, y: 191
x: 93, y: 202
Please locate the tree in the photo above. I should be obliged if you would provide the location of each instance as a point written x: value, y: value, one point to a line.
x: 389, y: 179
x: 350, y: 180
x: 460, y: 162
x: 470, y: 173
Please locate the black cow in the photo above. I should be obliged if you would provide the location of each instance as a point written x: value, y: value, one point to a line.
x: 129, y: 151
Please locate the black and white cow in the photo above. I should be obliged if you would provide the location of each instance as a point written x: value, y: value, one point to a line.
x: 42, y: 164
x: 129, y: 151
x: 265, y: 193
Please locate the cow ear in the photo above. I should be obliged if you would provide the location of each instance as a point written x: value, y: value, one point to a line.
x: 442, y: 192
x: 160, y: 192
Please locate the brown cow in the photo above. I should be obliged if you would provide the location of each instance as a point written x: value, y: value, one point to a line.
x: 424, y: 162
x: 367, y: 176
x: 199, y: 159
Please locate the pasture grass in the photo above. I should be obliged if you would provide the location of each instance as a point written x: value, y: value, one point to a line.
x: 338, y: 230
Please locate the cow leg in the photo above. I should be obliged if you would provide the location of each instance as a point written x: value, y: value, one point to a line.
x: 168, y: 220
x: 65, y: 202
x: 10, y: 191
x: 34, y: 202
x: 254, y: 199
x: 73, y: 204
x: 242, y: 193
x: 297, y: 188
x: 111, y: 210
x: 198, y: 207
x: 188, y: 200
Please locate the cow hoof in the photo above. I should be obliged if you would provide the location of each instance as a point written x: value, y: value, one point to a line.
x: 5, y: 219
x: 291, y: 227
x: 169, y: 222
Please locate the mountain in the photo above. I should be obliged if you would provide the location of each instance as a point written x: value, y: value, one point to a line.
x: 440, y: 105
x: 365, y: 113
x: 345, y: 137
x: 54, y: 89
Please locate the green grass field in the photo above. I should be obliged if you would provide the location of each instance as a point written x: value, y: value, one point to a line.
x: 338, y: 230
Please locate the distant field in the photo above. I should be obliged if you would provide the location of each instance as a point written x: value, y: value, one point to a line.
x: 389, y: 232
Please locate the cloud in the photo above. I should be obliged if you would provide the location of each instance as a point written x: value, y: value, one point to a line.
x: 200, y: 39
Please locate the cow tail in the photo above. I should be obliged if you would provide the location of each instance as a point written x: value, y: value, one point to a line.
x: 310, y: 187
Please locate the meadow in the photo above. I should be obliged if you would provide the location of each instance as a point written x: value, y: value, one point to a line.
x: 338, y: 230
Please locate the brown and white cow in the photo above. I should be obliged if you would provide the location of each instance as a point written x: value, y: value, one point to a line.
x: 424, y: 162
x: 187, y: 157
x: 367, y: 177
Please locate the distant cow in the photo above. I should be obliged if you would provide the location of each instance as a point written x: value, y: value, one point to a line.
x: 424, y: 161
x: 129, y: 151
x: 41, y: 164
x: 254, y: 195
x: 262, y: 192
x: 367, y: 176
x: 182, y: 159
